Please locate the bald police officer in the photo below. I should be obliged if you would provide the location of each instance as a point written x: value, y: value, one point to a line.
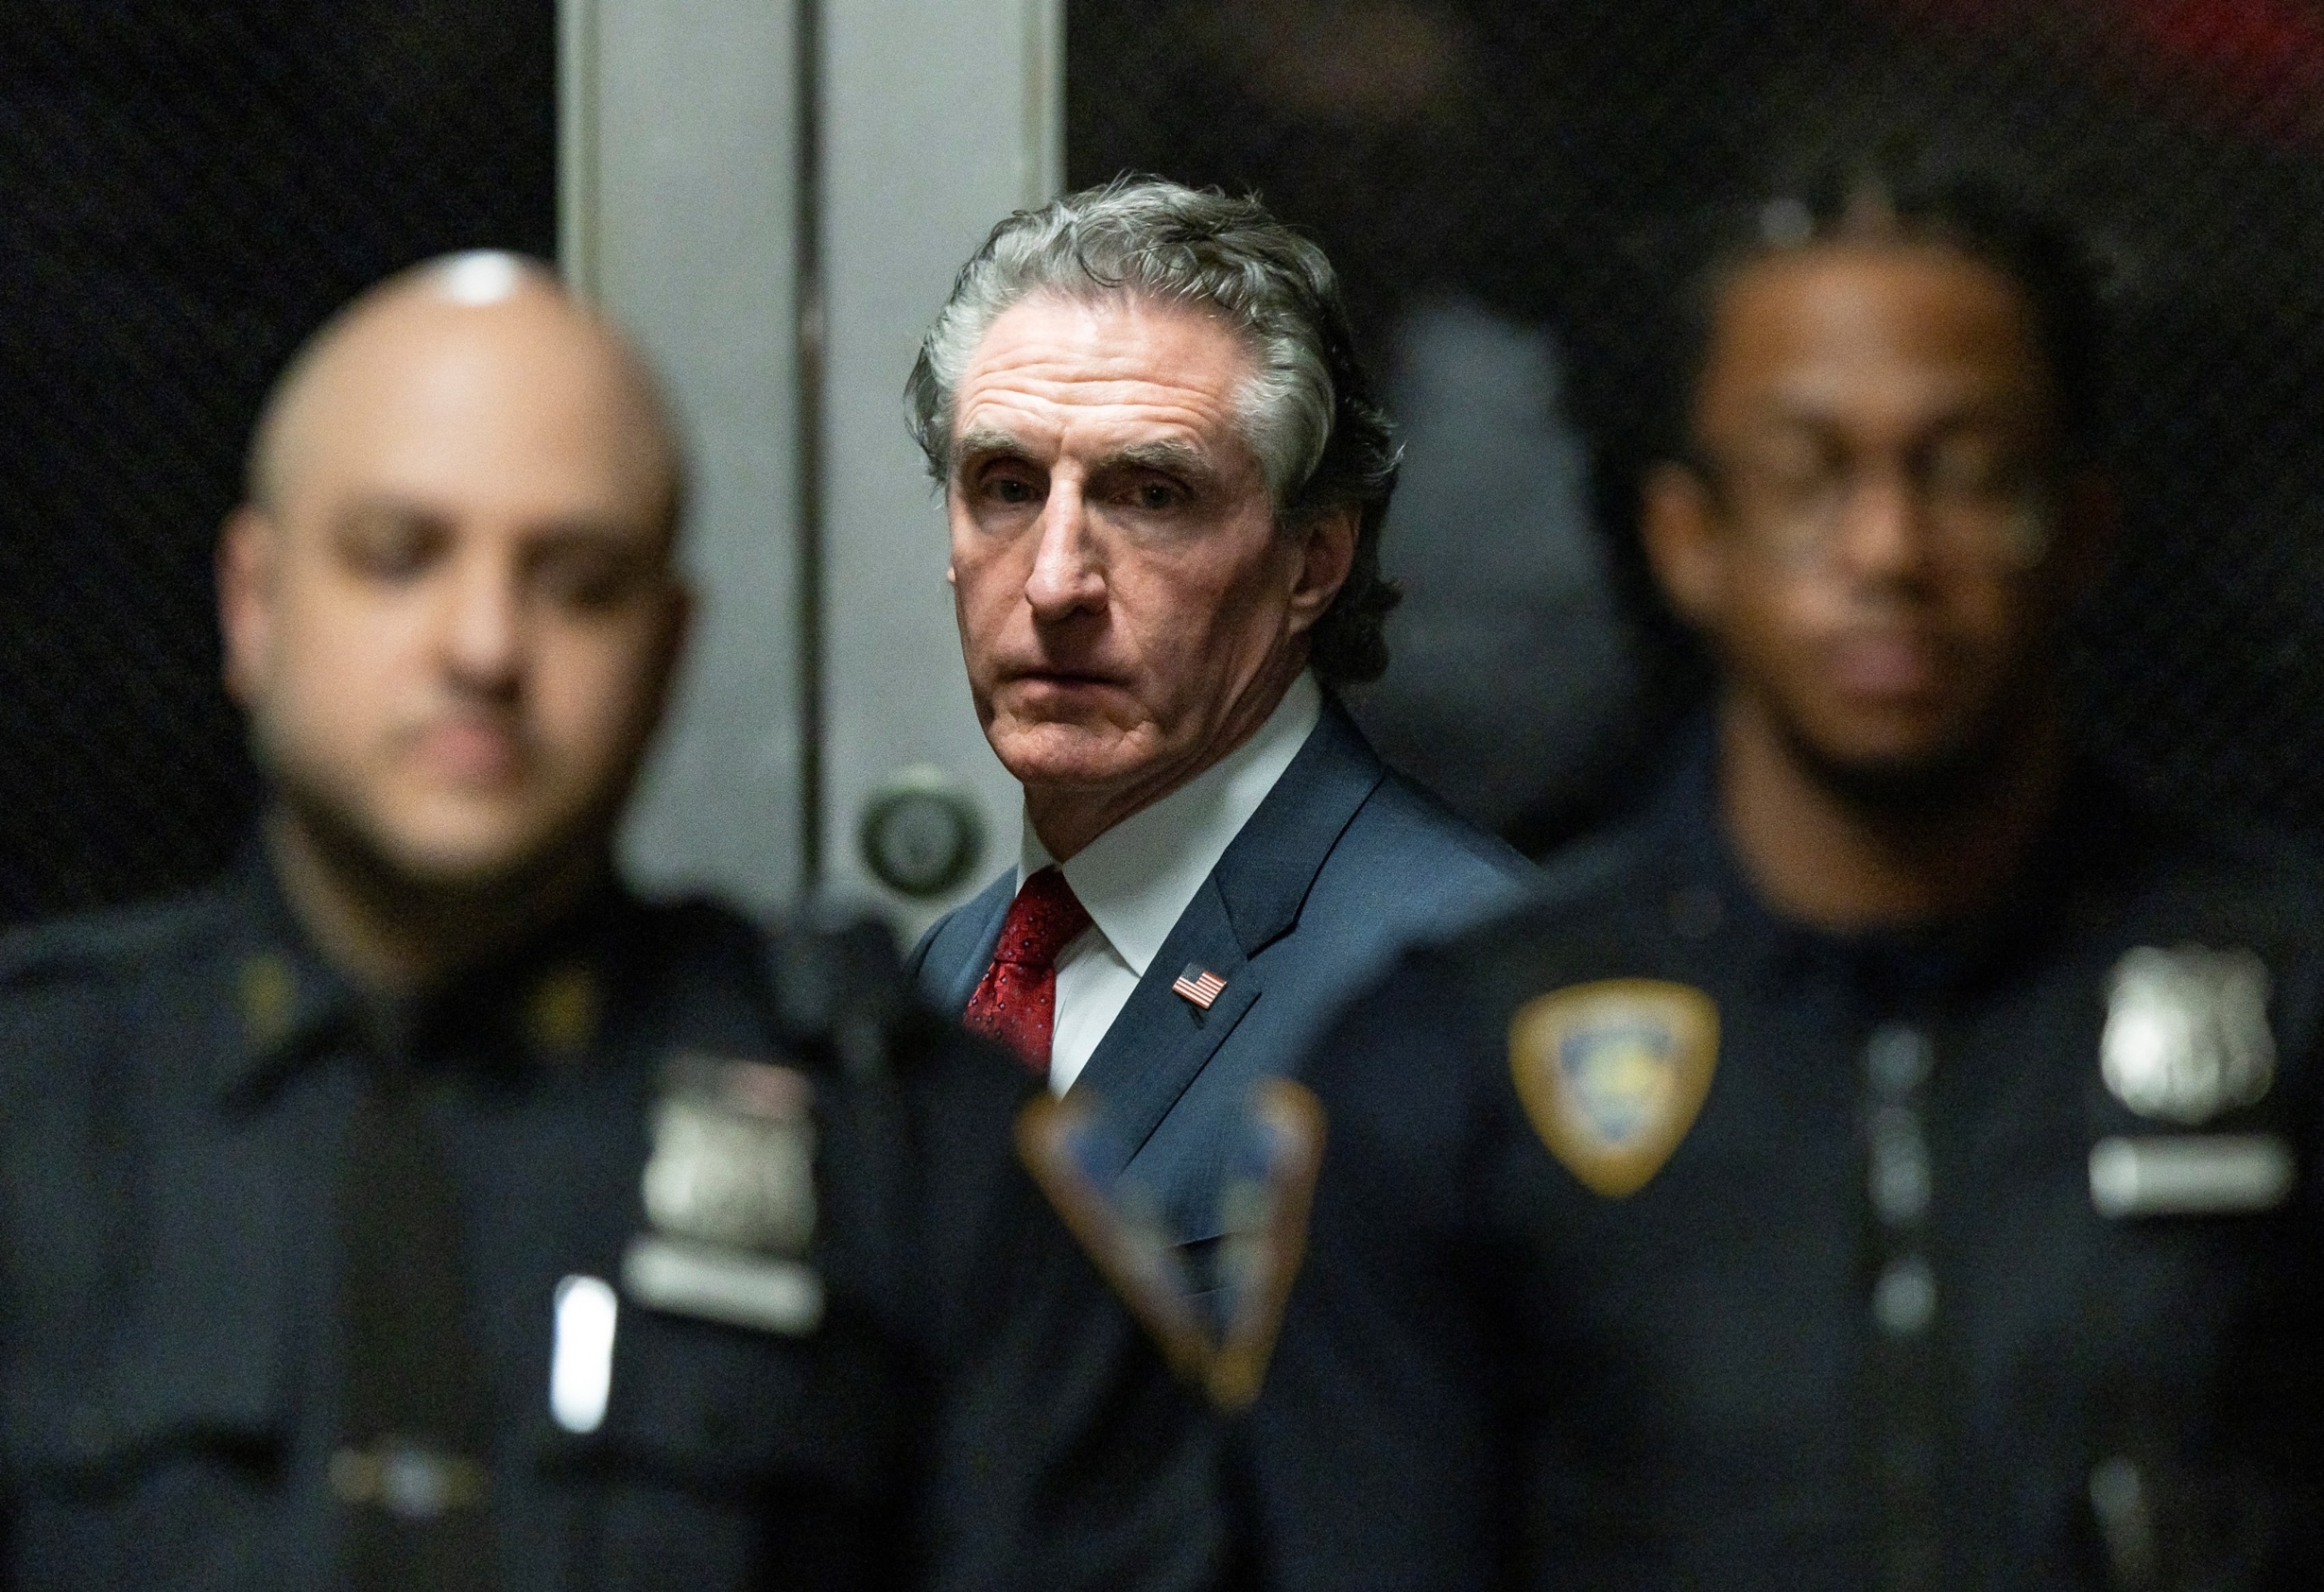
x: 414, y: 1207
x: 1891, y: 1164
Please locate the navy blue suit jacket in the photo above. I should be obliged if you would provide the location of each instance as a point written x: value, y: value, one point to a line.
x: 1343, y: 865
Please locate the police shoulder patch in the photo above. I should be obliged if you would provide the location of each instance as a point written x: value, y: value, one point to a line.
x: 1269, y: 1192
x: 1217, y: 1338
x: 1612, y: 1075
x: 1063, y: 1144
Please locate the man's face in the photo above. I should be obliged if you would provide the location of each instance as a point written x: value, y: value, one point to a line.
x: 1869, y: 535
x: 1129, y: 610
x: 454, y: 629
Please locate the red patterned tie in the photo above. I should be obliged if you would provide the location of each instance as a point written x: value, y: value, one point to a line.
x: 1016, y: 1002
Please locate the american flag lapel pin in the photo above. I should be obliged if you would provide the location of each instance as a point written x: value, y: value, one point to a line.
x: 1199, y: 985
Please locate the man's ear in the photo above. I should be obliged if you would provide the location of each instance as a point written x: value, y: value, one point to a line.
x: 248, y: 546
x: 1683, y: 545
x: 1327, y: 552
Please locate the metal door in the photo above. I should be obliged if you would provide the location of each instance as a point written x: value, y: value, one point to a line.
x: 775, y: 199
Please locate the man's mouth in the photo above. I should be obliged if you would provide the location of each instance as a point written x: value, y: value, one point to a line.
x: 1064, y: 679
x: 1886, y: 665
x: 470, y: 751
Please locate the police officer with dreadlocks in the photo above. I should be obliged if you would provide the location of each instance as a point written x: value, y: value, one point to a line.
x: 1892, y: 1162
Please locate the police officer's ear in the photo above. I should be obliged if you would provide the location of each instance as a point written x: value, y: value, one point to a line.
x: 1678, y: 524
x: 676, y: 632
x: 246, y: 553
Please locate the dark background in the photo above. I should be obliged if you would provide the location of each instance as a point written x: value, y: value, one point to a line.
x: 187, y: 191
x: 1534, y: 166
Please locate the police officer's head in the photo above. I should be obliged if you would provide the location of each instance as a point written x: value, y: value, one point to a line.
x: 1879, y: 493
x: 449, y: 605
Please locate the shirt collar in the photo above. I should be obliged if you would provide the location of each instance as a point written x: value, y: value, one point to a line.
x: 1136, y: 878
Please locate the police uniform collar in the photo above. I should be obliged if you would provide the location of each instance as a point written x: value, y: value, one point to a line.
x: 288, y: 1003
x: 546, y: 999
x: 543, y: 1000
x: 2091, y: 820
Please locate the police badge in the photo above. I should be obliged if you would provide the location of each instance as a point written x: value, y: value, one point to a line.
x: 2186, y: 1035
x: 1612, y: 1074
x: 729, y: 1193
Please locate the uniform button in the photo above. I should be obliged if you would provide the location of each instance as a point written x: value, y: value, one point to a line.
x: 1896, y: 1060
x: 1904, y: 1300
x: 1900, y: 1166
x: 2125, y: 1520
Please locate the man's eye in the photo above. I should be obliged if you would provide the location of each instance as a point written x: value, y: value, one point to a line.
x: 1156, y: 496
x: 587, y: 578
x: 1790, y: 470
x: 585, y: 583
x: 389, y: 553
x: 1970, y: 468
x: 1009, y: 489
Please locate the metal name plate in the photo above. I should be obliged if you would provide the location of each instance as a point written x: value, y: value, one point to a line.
x: 729, y: 1193
x: 2190, y: 1174
x: 730, y: 1286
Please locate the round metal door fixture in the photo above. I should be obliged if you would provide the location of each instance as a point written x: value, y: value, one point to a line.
x: 921, y: 833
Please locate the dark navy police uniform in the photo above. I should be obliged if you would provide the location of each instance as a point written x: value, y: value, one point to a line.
x: 739, y: 1248
x: 1661, y: 1243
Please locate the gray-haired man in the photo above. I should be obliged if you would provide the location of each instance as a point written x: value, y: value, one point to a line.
x: 1165, y: 480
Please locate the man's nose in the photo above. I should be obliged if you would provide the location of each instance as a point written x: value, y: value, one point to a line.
x: 483, y: 623
x: 1068, y: 573
x: 1883, y: 529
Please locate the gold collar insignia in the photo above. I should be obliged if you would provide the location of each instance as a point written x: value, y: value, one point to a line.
x: 269, y: 995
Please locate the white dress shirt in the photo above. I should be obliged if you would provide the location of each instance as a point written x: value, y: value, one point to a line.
x: 1138, y: 877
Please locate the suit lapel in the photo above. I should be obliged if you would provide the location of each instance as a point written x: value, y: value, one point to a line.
x: 951, y: 958
x: 1161, y: 1041
x: 1264, y: 876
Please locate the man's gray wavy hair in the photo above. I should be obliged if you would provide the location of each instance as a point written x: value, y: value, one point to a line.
x: 1307, y: 412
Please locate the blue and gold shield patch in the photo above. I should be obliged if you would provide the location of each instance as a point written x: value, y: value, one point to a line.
x: 1271, y: 1183
x: 1218, y: 1338
x: 1064, y: 1144
x: 1612, y: 1075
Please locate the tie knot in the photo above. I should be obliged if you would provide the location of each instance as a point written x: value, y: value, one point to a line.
x: 1042, y: 921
